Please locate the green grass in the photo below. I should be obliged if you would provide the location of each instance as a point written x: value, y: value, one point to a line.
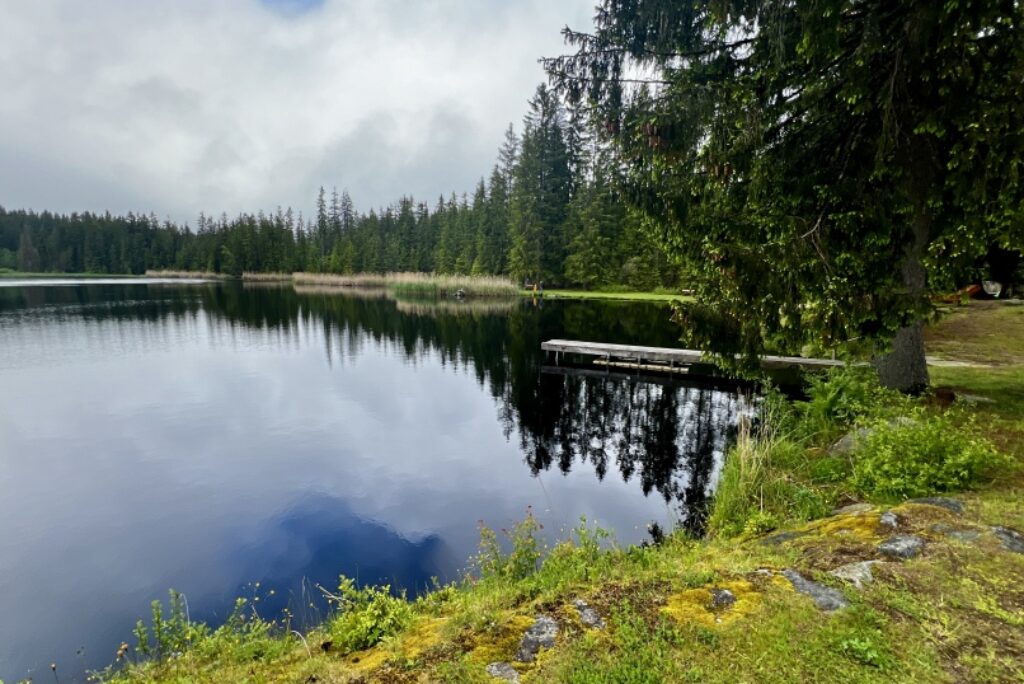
x: 953, y: 614
x: 991, y: 336
x: 619, y: 295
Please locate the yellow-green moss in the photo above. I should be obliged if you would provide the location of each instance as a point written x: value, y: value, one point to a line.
x: 694, y: 605
x: 862, y: 527
x: 501, y: 642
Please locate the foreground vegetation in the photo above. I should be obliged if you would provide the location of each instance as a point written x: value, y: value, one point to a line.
x: 950, y: 614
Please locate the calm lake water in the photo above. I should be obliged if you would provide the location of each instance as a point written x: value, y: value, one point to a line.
x: 210, y: 436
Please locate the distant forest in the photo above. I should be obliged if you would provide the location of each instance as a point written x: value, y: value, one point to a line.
x: 551, y: 211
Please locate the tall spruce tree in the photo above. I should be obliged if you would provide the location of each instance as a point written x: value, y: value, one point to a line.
x: 541, y: 188
x: 820, y: 167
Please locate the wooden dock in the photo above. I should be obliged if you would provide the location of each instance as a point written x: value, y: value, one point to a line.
x: 672, y: 358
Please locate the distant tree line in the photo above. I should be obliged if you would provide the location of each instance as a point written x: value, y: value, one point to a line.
x: 550, y: 211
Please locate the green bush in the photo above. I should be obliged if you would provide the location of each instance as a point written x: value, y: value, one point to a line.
x: 836, y: 400
x: 927, y: 453
x: 367, y: 615
x: 522, y: 560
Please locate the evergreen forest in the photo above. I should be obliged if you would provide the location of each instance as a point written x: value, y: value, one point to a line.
x: 549, y: 211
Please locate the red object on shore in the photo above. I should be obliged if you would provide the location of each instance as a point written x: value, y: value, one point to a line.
x: 969, y: 292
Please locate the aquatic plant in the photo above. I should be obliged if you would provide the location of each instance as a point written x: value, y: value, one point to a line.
x: 430, y: 284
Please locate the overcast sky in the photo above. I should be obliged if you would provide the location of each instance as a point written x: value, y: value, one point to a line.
x: 239, y: 105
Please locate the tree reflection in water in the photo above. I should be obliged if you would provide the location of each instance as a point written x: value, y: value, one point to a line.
x: 670, y: 436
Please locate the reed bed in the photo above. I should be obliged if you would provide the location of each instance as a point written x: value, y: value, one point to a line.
x: 340, y: 279
x: 205, y: 275
x: 354, y: 292
x: 455, y: 307
x: 429, y: 284
x: 447, y: 285
x: 266, y: 277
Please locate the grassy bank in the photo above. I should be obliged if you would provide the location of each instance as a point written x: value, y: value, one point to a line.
x: 719, y: 609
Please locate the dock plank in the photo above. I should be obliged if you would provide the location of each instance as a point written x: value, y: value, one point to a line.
x: 639, y: 354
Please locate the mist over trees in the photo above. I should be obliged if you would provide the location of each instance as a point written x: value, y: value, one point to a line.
x: 548, y: 211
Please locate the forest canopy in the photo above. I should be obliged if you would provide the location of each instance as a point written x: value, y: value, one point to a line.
x: 820, y: 168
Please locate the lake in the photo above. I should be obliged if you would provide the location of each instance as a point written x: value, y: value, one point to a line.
x: 212, y: 436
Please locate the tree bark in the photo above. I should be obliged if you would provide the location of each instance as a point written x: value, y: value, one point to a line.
x: 904, y: 368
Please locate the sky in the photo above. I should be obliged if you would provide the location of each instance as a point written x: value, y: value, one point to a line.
x: 241, y: 105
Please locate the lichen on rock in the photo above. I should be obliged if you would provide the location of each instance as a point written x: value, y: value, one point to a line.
x: 541, y: 634
x: 901, y: 547
x: 826, y: 598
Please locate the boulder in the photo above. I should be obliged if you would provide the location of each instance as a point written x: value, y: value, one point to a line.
x: 588, y: 616
x: 889, y: 519
x: 781, y: 537
x: 901, y: 547
x: 503, y: 671
x: 721, y: 599
x: 857, y: 574
x: 1011, y: 539
x: 951, y: 505
x: 826, y: 598
x: 961, y: 534
x: 540, y: 635
x: 845, y: 445
x: 853, y: 509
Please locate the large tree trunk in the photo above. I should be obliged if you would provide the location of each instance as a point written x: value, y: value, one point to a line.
x: 904, y: 368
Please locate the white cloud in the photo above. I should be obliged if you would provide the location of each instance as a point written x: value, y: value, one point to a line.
x: 238, y: 105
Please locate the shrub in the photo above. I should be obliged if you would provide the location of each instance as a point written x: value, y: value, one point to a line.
x: 523, y: 558
x: 837, y: 399
x: 925, y: 454
x: 367, y: 615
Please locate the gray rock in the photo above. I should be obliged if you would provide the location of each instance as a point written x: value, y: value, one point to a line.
x: 857, y: 574
x: 588, y: 616
x: 722, y: 598
x: 901, y: 547
x: 890, y: 519
x: 964, y: 535
x: 951, y: 505
x: 540, y: 635
x: 503, y: 671
x: 848, y: 442
x: 1011, y: 539
x: 960, y: 534
x: 776, y: 539
x: 853, y: 509
x: 826, y: 598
